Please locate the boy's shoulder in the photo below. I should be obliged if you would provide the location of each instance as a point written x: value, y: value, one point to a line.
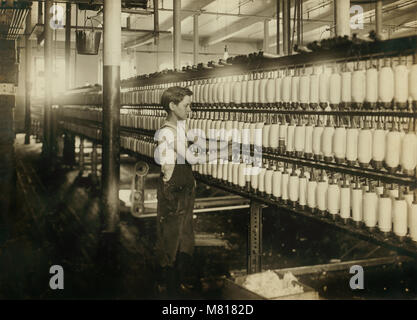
x: 166, y: 131
x: 175, y: 128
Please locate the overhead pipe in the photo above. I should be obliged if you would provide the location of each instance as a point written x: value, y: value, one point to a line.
x: 239, y: 15
x: 28, y: 75
x: 196, y: 41
x: 190, y: 52
x: 177, y: 33
x: 124, y: 30
x: 67, y: 45
x: 111, y: 114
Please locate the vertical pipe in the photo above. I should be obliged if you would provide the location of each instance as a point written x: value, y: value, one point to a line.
x: 378, y: 18
x: 266, y: 35
x: 111, y: 114
x: 177, y: 33
x: 196, y: 40
x: 47, y: 129
x: 74, y: 79
x: 28, y: 75
x: 286, y: 27
x: 40, y: 14
x: 334, y: 33
x: 67, y: 45
x: 156, y: 20
x: 289, y: 25
x: 302, y: 22
x: 298, y: 4
x: 342, y: 18
x: 294, y: 27
x: 278, y: 28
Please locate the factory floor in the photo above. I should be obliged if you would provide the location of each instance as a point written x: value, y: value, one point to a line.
x: 56, y: 221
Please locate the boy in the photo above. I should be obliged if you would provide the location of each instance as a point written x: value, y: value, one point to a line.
x: 176, y: 192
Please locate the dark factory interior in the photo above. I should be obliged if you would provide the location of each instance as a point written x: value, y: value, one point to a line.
x: 319, y: 97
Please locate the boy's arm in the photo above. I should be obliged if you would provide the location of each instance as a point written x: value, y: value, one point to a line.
x: 222, y: 150
x: 168, y: 140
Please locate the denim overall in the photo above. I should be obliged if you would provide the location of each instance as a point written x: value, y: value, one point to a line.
x: 175, y: 231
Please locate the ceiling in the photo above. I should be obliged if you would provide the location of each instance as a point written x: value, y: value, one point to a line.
x: 243, y: 20
x: 234, y: 20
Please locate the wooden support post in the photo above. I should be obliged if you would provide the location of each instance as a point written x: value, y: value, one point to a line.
x: 28, y: 75
x: 286, y: 26
x: 278, y: 27
x: 67, y: 46
x: 255, y: 238
x: 111, y: 114
x: 342, y: 18
x: 156, y: 21
x: 47, y: 130
x: 378, y: 18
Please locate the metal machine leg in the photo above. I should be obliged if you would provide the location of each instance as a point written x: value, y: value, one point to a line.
x: 255, y: 238
x: 94, y: 176
x: 137, y: 196
x: 81, y: 156
x: 69, y: 150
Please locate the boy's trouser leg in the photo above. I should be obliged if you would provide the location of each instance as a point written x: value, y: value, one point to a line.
x: 183, y: 266
x: 172, y: 281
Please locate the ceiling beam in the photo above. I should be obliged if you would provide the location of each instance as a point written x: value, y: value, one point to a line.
x: 395, y: 24
x: 396, y: 19
x: 318, y: 22
x: 139, y: 41
x: 186, y: 12
x: 404, y: 32
x: 312, y: 22
x: 168, y: 24
x: 259, y: 16
x: 237, y: 27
